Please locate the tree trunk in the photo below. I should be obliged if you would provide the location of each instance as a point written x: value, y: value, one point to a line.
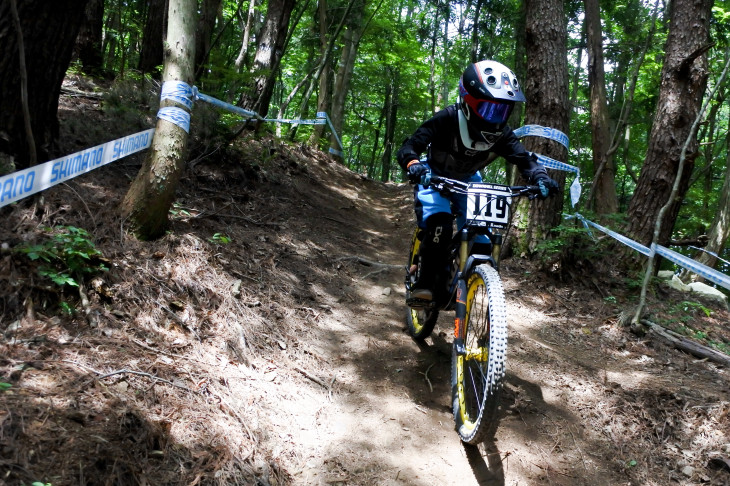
x: 346, y: 67
x: 109, y: 48
x: 546, y: 89
x: 604, y: 186
x: 49, y: 32
x: 323, y: 97
x: 390, y: 107
x: 720, y: 229
x: 151, y: 194
x: 323, y: 65
x: 474, y: 51
x: 683, y: 84
x: 432, y: 62
x: 89, y: 40
x: 150, y: 55
x: 204, y: 33
x: 270, y: 49
x: 445, y: 81
x: 246, y: 36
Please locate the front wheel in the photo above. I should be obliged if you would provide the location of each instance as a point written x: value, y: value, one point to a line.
x: 421, y: 321
x: 478, y: 369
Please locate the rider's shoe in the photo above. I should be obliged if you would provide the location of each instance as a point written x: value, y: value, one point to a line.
x: 419, y: 298
x: 422, y: 294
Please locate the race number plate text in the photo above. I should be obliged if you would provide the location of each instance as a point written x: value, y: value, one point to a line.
x: 488, y: 205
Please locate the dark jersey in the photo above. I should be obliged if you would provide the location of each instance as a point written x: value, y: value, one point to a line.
x: 449, y: 157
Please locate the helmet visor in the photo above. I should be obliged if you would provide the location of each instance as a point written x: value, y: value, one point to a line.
x: 494, y: 111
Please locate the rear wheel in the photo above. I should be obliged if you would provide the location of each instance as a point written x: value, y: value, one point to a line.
x: 478, y: 372
x: 420, y: 320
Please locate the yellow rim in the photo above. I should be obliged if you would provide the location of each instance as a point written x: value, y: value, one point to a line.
x: 479, y: 353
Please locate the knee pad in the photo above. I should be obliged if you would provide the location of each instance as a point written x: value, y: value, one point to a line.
x: 439, y: 230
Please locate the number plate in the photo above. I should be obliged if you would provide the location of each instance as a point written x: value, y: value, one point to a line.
x: 488, y: 205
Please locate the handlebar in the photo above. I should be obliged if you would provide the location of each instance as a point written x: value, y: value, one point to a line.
x: 453, y: 185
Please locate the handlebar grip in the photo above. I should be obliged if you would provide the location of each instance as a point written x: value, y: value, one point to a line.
x: 426, y: 179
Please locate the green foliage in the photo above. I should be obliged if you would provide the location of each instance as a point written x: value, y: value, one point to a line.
x: 67, y: 255
x: 4, y: 385
x: 689, y: 307
x: 568, y: 237
x: 178, y: 210
x: 220, y: 239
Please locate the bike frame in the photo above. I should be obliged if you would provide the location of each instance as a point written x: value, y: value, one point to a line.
x: 457, y: 287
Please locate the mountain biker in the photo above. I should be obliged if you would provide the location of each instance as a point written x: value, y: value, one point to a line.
x: 461, y: 140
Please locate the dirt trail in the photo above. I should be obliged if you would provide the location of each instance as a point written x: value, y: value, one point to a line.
x: 285, y: 358
x: 586, y: 402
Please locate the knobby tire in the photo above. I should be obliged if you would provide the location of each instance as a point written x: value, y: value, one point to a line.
x: 478, y: 374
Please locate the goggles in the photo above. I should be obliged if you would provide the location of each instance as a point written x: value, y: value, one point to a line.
x: 495, y: 112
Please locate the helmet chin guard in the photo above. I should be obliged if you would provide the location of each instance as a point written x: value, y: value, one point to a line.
x: 485, y: 141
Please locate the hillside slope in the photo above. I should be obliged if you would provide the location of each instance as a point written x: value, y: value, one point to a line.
x: 262, y: 342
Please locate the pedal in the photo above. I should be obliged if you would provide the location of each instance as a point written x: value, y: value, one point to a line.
x: 416, y: 303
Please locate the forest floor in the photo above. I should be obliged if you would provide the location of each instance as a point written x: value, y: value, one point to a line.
x: 262, y: 341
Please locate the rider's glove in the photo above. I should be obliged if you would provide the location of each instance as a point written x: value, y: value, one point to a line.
x: 548, y: 187
x: 416, y: 170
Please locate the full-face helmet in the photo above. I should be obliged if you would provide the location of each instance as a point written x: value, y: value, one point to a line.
x: 488, y: 92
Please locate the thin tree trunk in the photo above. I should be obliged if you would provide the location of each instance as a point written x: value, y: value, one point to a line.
x: 204, y: 33
x: 474, y: 52
x: 346, y: 68
x: 150, y: 55
x: 271, y: 40
x: 324, y: 77
x: 390, y: 107
x: 432, y: 62
x: 323, y: 62
x: 148, y: 201
x: 445, y: 81
x: 604, y: 185
x: 246, y: 36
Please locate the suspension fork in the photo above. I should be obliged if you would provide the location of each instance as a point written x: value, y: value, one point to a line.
x: 496, y: 248
x: 460, y: 307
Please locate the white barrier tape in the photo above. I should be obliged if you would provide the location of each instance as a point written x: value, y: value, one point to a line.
x: 575, y: 187
x: 222, y: 104
x: 560, y: 137
x: 712, y: 253
x: 626, y: 241
x: 322, y: 114
x: 175, y: 115
x: 539, y: 131
x: 318, y: 121
x: 179, y: 92
x: 24, y: 183
x: 321, y: 119
x: 702, y: 270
